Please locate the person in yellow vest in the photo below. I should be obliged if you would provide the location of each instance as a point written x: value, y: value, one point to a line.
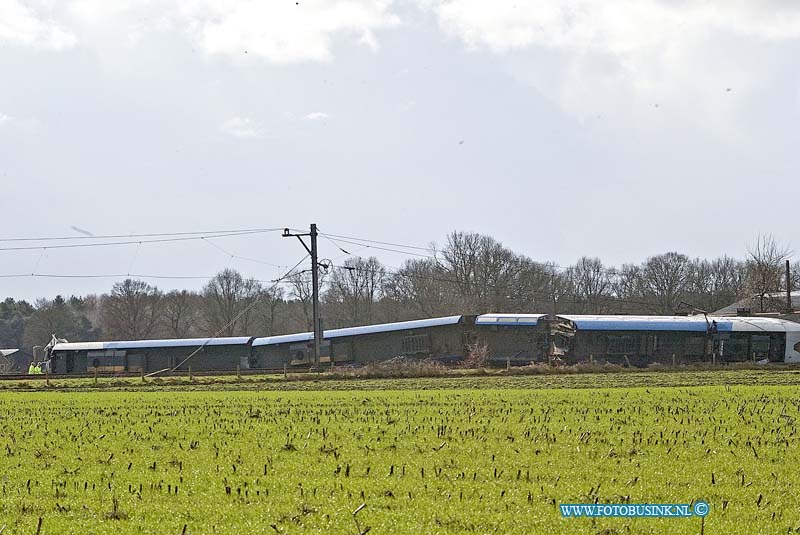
x: 37, y: 369
x: 31, y: 369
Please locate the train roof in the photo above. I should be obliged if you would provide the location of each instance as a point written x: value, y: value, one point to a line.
x: 152, y: 344
x: 357, y: 331
x: 7, y: 352
x: 761, y: 324
x: 647, y: 323
x: 508, y: 319
x: 696, y: 323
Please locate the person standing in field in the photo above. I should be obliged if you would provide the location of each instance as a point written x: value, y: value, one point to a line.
x: 31, y: 369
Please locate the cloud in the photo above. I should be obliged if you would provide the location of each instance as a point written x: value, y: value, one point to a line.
x: 285, y: 32
x: 590, y: 54
x: 22, y: 25
x: 281, y: 32
x: 619, y: 27
x: 316, y: 116
x: 20, y: 125
x: 241, y: 127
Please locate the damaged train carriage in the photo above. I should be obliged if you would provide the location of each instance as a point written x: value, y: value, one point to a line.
x: 444, y: 339
x: 642, y: 340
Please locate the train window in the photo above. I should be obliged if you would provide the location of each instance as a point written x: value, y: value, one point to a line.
x: 736, y: 348
x: 760, y: 345
x: 106, y: 361
x: 797, y: 347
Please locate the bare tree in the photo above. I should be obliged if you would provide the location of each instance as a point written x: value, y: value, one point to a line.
x: 355, y: 287
x: 267, y: 310
x: 483, y: 271
x: 131, y: 311
x: 460, y: 258
x: 228, y: 302
x: 559, y: 289
x: 591, y: 285
x: 629, y: 288
x: 533, y: 287
x: 301, y: 290
x: 666, y: 279
x: 765, y: 264
x: 729, y: 277
x: 421, y: 286
x: 181, y: 309
x: 701, y: 285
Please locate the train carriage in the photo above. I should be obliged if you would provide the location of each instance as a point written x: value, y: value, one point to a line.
x: 442, y: 338
x: 150, y: 355
x: 640, y: 340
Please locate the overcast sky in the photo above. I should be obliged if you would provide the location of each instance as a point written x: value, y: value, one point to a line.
x: 562, y: 128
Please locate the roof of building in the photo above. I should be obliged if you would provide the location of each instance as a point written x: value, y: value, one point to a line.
x: 508, y: 319
x: 7, y: 352
x: 358, y: 331
x: 152, y: 344
x: 776, y: 302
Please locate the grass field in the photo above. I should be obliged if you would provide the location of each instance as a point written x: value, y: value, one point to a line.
x: 447, y: 455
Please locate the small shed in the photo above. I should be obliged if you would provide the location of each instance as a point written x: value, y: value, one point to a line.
x: 151, y: 355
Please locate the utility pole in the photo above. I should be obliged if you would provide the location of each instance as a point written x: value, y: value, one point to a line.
x: 788, y: 288
x: 312, y: 251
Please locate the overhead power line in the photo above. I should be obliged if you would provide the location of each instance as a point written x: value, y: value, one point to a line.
x: 247, y: 258
x: 429, y: 249
x: 130, y: 242
x: 150, y: 235
x: 126, y: 276
x: 381, y: 248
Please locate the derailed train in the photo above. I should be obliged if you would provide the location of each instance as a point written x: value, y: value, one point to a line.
x: 516, y: 339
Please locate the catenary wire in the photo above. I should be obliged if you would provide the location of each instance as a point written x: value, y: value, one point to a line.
x: 128, y: 242
x: 149, y: 235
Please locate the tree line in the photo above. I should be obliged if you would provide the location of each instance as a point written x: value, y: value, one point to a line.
x: 469, y: 274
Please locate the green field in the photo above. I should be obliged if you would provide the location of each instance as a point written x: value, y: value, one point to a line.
x: 469, y: 455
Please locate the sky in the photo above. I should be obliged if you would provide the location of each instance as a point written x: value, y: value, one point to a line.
x: 562, y: 128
